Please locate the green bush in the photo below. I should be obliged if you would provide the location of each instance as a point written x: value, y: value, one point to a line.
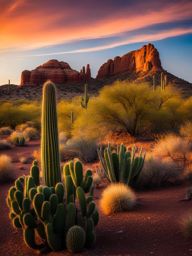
x: 14, y: 113
x: 65, y: 108
x: 31, y: 133
x: 86, y: 149
x: 17, y: 139
x: 133, y: 108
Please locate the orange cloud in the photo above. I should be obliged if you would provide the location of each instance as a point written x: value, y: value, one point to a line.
x: 135, y: 39
x: 27, y: 26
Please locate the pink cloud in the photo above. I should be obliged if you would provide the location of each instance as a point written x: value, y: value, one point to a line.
x: 27, y: 24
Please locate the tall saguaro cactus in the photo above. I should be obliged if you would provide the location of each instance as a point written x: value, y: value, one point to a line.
x: 50, y: 161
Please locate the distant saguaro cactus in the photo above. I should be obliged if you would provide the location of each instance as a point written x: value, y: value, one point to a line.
x: 72, y: 117
x: 85, y: 98
x: 49, y: 136
x: 163, y: 81
x: 154, y: 83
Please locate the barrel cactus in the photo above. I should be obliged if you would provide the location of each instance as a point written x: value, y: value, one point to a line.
x: 47, y: 212
x: 122, y: 165
x: 75, y: 239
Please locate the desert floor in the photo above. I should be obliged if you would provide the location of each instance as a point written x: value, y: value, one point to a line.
x: 154, y: 228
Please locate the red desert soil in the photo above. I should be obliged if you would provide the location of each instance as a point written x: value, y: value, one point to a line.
x: 151, y: 229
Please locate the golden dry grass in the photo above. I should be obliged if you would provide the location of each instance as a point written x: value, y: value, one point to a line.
x: 117, y: 197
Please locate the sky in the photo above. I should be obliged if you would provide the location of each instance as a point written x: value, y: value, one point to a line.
x: 89, y: 31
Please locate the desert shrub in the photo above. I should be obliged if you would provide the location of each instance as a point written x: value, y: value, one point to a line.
x: 31, y: 133
x: 132, y: 108
x: 4, y: 144
x: 65, y: 110
x: 17, y: 139
x: 117, y: 198
x: 186, y: 131
x: 62, y: 138
x: 6, y: 169
x: 158, y: 172
x: 86, y: 149
x: 186, y: 225
x: 26, y: 160
x: 174, y: 147
x: 5, y: 130
x: 67, y: 153
x: 21, y: 127
x: 14, y: 113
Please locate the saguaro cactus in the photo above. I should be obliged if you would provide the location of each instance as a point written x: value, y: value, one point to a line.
x: 154, y: 83
x: 85, y: 98
x: 50, y: 162
x: 163, y: 81
x: 72, y: 117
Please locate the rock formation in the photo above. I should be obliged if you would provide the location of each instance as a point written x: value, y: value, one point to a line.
x: 86, y: 73
x: 57, y: 72
x: 144, y: 60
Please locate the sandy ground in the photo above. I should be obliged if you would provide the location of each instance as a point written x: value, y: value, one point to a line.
x: 151, y: 229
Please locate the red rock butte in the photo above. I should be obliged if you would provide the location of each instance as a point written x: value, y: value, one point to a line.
x: 57, y: 71
x: 144, y: 60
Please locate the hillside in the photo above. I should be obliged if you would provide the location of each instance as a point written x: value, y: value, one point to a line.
x: 136, y: 66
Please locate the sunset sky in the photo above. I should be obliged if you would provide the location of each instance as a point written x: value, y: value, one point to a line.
x: 88, y: 31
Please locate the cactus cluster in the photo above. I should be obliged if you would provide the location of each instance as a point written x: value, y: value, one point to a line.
x: 85, y: 98
x: 50, y: 212
x: 163, y: 81
x: 54, y: 215
x: 122, y: 165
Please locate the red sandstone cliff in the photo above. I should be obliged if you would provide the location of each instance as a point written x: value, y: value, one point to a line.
x: 144, y: 60
x: 58, y: 72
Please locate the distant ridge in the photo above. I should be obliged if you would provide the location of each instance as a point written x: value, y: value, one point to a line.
x: 135, y: 66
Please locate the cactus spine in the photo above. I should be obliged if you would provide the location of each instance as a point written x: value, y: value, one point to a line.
x: 49, y: 137
x: 85, y: 97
